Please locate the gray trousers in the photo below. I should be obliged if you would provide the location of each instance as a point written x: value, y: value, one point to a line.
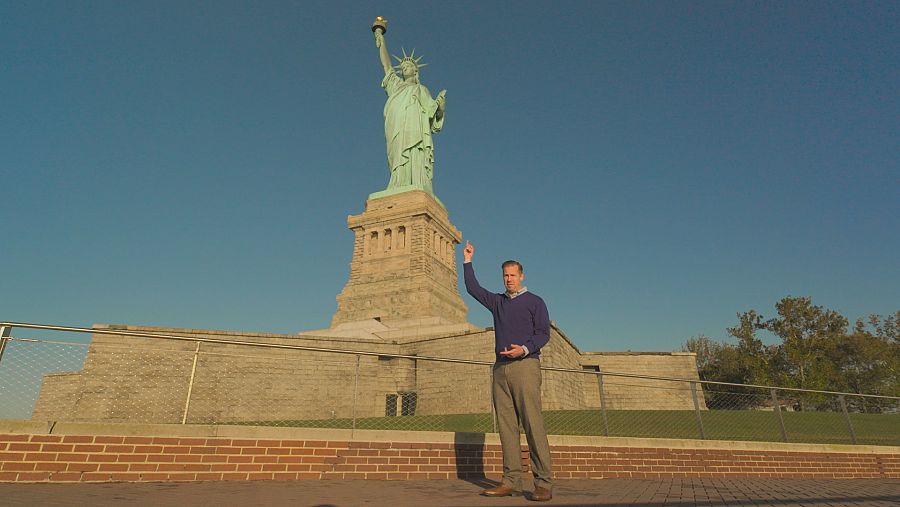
x: 517, y: 396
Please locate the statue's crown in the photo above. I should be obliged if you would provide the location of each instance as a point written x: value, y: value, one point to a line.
x: 408, y: 58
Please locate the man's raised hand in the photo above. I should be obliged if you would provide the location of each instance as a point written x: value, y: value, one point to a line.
x: 468, y: 251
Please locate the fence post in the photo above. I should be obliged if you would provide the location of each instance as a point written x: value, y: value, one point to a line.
x: 847, y: 418
x: 187, y: 401
x: 603, y: 404
x: 355, y: 390
x: 697, y: 409
x: 777, y: 409
x: 4, y: 338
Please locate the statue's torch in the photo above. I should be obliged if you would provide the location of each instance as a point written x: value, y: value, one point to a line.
x: 379, y: 24
x: 379, y: 27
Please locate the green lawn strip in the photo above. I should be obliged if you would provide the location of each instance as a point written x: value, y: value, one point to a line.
x: 746, y: 425
x: 876, y: 429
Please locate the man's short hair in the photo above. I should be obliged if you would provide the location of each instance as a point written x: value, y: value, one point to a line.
x: 513, y: 263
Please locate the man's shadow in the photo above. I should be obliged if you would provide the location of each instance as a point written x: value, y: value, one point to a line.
x: 469, y: 451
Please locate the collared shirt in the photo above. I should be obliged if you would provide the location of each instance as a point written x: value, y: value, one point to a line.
x: 514, y: 295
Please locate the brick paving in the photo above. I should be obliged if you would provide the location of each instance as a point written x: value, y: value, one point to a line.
x: 699, y: 492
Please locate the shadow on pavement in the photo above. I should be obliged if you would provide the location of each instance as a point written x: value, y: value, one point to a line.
x: 468, y: 450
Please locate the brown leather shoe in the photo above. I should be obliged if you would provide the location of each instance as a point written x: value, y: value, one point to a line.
x: 502, y: 490
x: 540, y: 494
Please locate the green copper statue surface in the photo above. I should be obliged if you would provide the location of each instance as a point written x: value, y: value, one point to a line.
x: 411, y: 116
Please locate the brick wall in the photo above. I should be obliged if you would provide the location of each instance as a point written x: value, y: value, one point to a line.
x: 30, y: 457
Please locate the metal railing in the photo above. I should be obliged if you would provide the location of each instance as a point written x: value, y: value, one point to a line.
x: 144, y: 377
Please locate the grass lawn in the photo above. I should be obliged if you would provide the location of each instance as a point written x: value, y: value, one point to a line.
x: 755, y: 425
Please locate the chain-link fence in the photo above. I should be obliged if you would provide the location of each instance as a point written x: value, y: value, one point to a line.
x: 129, y: 377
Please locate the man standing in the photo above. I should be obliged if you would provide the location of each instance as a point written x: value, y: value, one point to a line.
x: 521, y: 328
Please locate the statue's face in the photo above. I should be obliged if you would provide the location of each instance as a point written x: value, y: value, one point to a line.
x: 408, y: 70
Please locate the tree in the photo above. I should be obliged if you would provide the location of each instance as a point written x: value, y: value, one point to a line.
x: 756, y: 358
x: 807, y: 332
x: 707, y: 352
x: 867, y: 363
x: 887, y: 328
x: 816, y: 352
x: 721, y: 362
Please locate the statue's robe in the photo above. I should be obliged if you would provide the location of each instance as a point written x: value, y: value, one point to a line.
x: 409, y: 122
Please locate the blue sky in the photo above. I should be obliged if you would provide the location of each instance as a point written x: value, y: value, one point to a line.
x: 657, y: 167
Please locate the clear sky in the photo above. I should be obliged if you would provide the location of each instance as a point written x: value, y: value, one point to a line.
x: 657, y: 167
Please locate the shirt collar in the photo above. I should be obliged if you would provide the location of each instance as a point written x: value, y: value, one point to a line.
x: 514, y: 295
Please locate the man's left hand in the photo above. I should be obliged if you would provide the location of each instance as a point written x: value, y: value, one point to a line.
x: 513, y: 351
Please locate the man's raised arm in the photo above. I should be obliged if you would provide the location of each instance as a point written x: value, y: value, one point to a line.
x: 474, y: 288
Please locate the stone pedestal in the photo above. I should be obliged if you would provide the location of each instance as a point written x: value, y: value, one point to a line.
x: 404, y: 262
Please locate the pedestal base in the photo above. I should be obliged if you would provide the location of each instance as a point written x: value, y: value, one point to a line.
x: 404, y: 261
x: 399, y: 190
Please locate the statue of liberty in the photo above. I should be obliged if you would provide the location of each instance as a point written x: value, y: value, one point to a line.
x: 411, y: 116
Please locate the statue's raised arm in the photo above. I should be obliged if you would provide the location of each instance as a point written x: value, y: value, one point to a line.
x: 378, y: 28
x: 411, y: 116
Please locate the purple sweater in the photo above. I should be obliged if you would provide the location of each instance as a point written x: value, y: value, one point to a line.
x: 522, y: 320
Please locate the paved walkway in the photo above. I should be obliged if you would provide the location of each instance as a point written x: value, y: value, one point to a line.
x: 609, y: 492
